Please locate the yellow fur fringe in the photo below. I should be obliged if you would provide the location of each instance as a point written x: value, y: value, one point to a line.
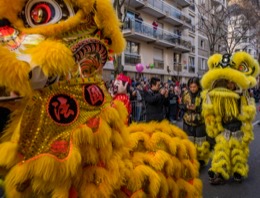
x: 50, y: 55
x: 16, y: 70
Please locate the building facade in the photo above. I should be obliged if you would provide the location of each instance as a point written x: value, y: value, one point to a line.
x: 164, y: 37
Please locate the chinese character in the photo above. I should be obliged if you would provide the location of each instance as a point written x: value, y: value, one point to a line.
x: 62, y: 108
x: 95, y: 94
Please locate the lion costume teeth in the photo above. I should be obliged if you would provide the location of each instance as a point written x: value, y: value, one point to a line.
x: 229, y: 111
x: 66, y: 136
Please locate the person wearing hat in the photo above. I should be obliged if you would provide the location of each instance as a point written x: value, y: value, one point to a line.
x: 121, y: 89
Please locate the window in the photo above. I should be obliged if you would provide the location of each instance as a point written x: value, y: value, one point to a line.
x: 202, y: 44
x: 176, y: 58
x: 191, y: 61
x: 203, y: 64
x: 132, y: 47
x: 132, y: 53
x: 191, y: 64
x: 158, y: 54
x: 158, y: 58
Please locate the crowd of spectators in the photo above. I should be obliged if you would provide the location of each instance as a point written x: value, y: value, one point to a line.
x: 153, y: 99
x: 170, y: 107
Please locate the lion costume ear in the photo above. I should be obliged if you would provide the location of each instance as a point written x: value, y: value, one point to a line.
x: 257, y: 69
x: 243, y: 58
x: 107, y: 20
x: 214, y: 60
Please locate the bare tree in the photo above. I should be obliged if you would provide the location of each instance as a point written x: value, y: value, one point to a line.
x: 118, y: 6
x: 253, y: 8
x: 239, y: 27
x: 228, y: 26
x: 212, y: 23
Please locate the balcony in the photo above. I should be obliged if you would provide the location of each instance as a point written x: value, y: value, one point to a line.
x: 138, y: 30
x: 163, y: 11
x: 135, y: 3
x: 183, y: 3
x: 145, y: 32
x: 132, y: 59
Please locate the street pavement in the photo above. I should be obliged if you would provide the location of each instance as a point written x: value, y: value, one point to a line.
x: 250, y: 187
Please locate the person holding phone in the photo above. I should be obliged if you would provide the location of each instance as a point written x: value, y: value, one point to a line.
x: 193, y: 123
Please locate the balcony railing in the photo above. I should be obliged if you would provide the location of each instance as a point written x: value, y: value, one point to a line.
x: 139, y: 27
x: 132, y: 59
x: 158, y: 64
x: 160, y: 34
x: 168, y: 9
x: 202, y: 70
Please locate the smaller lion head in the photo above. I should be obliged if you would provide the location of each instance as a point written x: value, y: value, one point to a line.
x: 230, y: 73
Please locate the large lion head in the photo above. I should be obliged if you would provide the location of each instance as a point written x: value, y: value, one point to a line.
x: 230, y: 75
x: 61, y: 18
x: 45, y: 39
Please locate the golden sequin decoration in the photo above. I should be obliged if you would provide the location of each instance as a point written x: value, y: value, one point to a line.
x: 39, y: 132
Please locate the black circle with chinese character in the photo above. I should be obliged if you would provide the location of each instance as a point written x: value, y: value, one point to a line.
x: 63, y: 109
x: 93, y: 95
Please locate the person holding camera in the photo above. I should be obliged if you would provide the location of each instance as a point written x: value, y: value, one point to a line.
x: 155, y: 100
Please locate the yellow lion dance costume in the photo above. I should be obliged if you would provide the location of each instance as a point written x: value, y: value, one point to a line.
x: 229, y: 111
x: 67, y: 137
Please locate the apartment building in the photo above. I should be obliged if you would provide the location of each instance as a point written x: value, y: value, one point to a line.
x: 174, y: 49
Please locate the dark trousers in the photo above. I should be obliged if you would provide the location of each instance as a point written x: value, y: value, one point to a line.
x: 4, y: 113
x: 198, y: 131
x: 195, y: 131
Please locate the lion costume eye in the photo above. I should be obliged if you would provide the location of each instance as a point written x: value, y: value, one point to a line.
x: 243, y: 67
x: 44, y: 12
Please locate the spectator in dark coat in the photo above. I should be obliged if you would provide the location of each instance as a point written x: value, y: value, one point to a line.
x: 155, y: 100
x: 173, y: 105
